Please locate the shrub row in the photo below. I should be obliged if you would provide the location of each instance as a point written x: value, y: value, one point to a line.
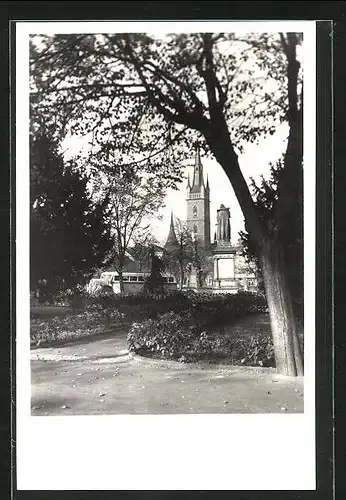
x: 205, y: 309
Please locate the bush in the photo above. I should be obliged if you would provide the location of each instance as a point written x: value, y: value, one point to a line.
x: 169, y: 336
x: 73, y: 326
x: 173, y: 336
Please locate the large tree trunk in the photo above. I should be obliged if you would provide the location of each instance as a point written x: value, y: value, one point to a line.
x: 270, y: 254
x: 288, y: 355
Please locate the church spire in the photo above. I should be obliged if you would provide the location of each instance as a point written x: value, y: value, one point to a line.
x: 172, y: 241
x: 197, y: 181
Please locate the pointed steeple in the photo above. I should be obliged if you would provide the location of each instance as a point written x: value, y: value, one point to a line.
x: 188, y: 182
x: 197, y: 181
x: 172, y: 242
x: 207, y: 184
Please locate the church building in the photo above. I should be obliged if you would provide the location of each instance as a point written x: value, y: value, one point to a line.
x: 226, y: 269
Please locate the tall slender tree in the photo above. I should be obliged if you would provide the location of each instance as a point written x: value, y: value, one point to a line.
x: 132, y: 201
x: 179, y: 255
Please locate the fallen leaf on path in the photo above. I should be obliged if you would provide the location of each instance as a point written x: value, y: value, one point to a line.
x: 268, y: 392
x: 102, y: 394
x: 79, y: 374
x: 183, y: 381
x: 36, y: 407
x: 65, y: 407
x: 283, y: 408
x: 225, y: 401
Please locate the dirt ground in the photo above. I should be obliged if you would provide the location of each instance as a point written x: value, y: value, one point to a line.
x: 99, y: 377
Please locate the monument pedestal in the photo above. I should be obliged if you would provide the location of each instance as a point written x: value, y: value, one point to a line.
x: 224, y: 268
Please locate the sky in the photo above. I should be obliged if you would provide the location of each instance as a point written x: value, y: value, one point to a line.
x: 254, y: 162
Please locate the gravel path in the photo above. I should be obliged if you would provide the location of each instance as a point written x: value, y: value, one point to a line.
x: 100, y: 377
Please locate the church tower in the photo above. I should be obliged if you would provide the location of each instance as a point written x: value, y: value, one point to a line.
x: 198, y: 203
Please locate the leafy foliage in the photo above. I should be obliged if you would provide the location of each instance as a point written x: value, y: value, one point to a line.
x: 132, y: 200
x: 111, y: 87
x: 178, y: 257
x: 58, y: 330
x: 290, y: 234
x: 68, y: 234
x: 171, y: 336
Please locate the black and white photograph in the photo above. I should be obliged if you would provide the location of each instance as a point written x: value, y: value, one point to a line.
x: 166, y: 245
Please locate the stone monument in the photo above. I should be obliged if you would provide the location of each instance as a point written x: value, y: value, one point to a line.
x: 224, y: 255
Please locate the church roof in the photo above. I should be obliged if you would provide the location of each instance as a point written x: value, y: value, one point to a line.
x: 197, y: 181
x: 172, y: 241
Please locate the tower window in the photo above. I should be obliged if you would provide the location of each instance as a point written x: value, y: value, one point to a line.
x: 195, y: 229
x: 194, y: 211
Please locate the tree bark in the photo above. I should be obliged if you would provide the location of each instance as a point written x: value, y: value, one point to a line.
x: 181, y: 277
x: 121, y: 280
x: 287, y: 350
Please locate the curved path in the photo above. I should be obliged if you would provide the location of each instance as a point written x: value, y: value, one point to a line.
x: 95, y: 377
